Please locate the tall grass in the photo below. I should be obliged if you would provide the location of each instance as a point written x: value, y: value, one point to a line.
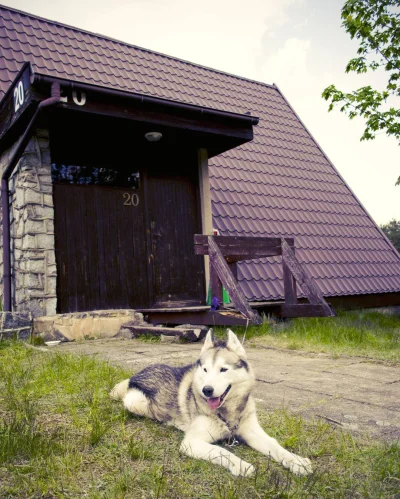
x: 61, y: 436
x: 362, y: 333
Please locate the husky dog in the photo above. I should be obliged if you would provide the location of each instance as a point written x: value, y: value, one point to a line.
x: 210, y: 401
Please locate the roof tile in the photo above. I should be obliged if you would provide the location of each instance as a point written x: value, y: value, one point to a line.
x: 281, y: 183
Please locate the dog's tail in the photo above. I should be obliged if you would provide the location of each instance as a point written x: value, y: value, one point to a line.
x: 120, y: 390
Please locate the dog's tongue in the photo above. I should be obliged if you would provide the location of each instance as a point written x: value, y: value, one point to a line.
x: 213, y: 403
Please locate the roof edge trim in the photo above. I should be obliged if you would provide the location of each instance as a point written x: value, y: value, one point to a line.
x: 340, y: 176
x: 250, y: 120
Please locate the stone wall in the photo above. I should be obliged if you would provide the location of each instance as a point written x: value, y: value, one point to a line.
x: 84, y: 325
x: 15, y: 325
x: 32, y: 230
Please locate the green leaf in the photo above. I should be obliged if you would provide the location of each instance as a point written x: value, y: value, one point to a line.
x: 375, y: 24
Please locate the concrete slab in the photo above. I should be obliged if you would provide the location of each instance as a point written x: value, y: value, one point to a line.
x: 84, y: 325
x: 350, y: 393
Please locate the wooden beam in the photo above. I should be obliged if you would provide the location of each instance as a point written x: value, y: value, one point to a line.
x: 306, y: 310
x: 235, y: 293
x: 205, y: 205
x: 239, y: 241
x: 237, y: 248
x: 307, y: 284
x: 233, y: 268
x: 289, y: 282
x: 209, y: 318
x: 215, y: 285
x: 236, y: 255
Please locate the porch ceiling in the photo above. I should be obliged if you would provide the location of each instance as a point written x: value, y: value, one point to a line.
x: 194, y: 126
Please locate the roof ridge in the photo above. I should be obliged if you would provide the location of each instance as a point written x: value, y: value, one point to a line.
x: 99, y: 35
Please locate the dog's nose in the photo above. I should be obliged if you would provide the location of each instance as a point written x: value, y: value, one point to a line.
x: 208, y: 391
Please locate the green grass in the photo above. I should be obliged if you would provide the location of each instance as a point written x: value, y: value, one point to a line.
x: 363, y: 333
x: 61, y: 436
x: 359, y: 333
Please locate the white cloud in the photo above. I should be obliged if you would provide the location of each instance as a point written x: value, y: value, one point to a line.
x: 289, y: 63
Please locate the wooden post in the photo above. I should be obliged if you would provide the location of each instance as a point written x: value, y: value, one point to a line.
x: 289, y: 282
x: 307, y: 284
x: 233, y: 268
x: 215, y: 284
x: 205, y: 205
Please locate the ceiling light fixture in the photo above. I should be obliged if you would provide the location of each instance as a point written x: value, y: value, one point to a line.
x: 153, y: 136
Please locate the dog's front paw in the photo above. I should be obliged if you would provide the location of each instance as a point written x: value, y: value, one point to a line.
x: 298, y: 465
x: 242, y: 469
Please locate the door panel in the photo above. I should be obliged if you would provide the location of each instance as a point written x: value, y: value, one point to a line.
x: 100, y: 249
x: 172, y: 197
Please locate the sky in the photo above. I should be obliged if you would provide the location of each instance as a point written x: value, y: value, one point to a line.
x: 297, y: 44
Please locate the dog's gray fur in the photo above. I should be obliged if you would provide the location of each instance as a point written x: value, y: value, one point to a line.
x: 210, y: 401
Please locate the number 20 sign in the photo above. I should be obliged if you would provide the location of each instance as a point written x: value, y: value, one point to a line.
x: 16, y: 100
x: 19, y: 96
x: 130, y: 199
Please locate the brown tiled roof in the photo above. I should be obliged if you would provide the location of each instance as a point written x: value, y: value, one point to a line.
x: 281, y: 183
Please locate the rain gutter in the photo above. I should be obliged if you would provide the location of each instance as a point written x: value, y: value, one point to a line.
x: 146, y: 99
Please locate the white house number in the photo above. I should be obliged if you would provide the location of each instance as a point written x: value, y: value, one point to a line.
x: 18, y: 96
x: 130, y: 199
x: 78, y: 97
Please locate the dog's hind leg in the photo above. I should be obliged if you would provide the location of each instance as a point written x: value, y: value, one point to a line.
x: 120, y: 390
x: 252, y: 433
x: 197, y: 443
x: 137, y: 403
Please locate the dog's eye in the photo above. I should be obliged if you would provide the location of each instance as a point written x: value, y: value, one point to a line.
x: 204, y: 369
x: 223, y: 369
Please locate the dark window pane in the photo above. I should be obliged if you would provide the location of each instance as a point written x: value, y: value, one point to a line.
x: 92, y: 175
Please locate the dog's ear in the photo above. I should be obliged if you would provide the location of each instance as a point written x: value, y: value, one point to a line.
x: 234, y: 344
x: 209, y: 341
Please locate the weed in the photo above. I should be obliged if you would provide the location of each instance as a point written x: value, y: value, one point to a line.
x: 362, y: 333
x: 61, y: 436
x: 138, y: 450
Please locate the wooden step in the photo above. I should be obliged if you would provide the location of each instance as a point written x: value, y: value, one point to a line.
x: 188, y: 333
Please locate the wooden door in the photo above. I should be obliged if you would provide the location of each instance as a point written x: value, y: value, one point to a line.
x: 132, y: 246
x: 174, y: 217
x: 100, y: 248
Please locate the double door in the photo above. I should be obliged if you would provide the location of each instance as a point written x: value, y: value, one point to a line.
x: 127, y: 246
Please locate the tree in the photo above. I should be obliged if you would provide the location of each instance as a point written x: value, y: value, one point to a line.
x: 376, y: 24
x: 392, y: 230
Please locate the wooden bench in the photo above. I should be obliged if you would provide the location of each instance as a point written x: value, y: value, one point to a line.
x: 226, y: 251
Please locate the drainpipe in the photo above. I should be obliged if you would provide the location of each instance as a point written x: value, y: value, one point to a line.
x: 5, y: 193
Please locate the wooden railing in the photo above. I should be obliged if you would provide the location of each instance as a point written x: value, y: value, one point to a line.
x: 226, y: 251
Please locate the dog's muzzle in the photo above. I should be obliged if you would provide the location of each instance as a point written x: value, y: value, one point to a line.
x: 214, y: 402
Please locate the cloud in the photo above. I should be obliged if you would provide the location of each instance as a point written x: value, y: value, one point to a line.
x: 288, y: 63
x: 277, y: 14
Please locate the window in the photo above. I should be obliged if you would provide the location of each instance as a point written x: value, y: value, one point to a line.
x: 94, y: 175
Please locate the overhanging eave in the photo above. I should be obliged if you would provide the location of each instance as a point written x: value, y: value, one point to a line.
x: 215, y: 130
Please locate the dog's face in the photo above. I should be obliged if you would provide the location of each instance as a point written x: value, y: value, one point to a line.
x: 222, y: 368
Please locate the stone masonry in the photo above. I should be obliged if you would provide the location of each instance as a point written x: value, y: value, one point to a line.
x: 32, y: 230
x: 85, y: 325
x: 15, y: 325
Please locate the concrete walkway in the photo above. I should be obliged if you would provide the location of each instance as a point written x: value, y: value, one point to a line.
x: 348, y: 392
